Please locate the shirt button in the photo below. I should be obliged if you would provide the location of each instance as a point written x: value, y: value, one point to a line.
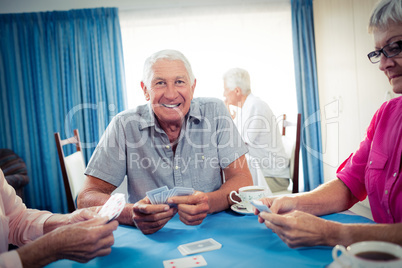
x: 167, y: 147
x: 176, y: 167
x: 389, y: 212
x: 371, y: 162
x: 386, y: 191
x: 395, y: 174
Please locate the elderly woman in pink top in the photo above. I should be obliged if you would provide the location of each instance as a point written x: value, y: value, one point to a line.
x: 44, y: 237
x: 374, y: 170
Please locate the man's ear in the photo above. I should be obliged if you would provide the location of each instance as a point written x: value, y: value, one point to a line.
x: 145, y: 90
x: 238, y: 91
x: 193, y: 86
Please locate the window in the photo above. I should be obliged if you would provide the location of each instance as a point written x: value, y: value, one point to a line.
x: 256, y: 37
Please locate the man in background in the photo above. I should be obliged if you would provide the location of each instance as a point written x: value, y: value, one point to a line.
x: 258, y: 129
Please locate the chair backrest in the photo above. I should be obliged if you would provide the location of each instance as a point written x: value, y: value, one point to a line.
x: 295, y: 152
x: 15, y: 170
x: 72, y: 167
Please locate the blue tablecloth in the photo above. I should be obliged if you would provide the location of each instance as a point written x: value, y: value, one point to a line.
x: 245, y: 243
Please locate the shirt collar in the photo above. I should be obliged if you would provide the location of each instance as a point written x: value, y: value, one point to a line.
x: 249, y: 96
x: 147, y: 116
x: 195, y: 110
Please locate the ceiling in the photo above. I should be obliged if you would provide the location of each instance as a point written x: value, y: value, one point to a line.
x: 20, y: 6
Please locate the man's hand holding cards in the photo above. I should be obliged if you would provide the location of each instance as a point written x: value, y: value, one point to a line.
x: 191, y: 205
x: 162, y: 194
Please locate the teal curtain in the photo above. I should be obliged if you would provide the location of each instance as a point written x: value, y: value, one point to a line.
x: 307, y: 91
x: 59, y: 71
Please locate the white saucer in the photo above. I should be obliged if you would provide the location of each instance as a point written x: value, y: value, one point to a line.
x: 334, y: 264
x: 236, y: 208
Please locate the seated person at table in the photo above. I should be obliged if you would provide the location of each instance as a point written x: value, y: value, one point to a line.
x: 44, y: 237
x: 174, y: 140
x: 374, y: 170
x: 258, y: 129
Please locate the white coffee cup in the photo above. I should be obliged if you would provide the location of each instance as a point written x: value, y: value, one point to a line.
x: 369, y: 254
x: 248, y: 193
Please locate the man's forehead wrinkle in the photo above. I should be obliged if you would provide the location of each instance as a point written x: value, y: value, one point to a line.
x: 164, y: 78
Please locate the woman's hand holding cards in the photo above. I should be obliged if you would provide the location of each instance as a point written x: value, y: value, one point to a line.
x: 259, y: 206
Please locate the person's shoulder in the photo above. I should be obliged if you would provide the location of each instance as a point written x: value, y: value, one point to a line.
x: 394, y: 102
x: 136, y: 114
x: 257, y: 105
x: 258, y: 100
x: 208, y: 103
x: 208, y: 107
x: 389, y: 109
x: 139, y: 110
x: 393, y: 105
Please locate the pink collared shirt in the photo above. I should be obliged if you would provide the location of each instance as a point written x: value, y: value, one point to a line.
x: 375, y: 168
x: 18, y: 225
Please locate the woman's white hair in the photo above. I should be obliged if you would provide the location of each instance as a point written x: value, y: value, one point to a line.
x: 167, y: 54
x: 385, y: 13
x: 237, y: 77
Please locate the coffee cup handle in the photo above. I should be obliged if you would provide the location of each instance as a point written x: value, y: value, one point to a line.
x: 335, y: 251
x: 236, y: 194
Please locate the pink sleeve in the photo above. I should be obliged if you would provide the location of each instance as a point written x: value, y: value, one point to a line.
x: 10, y: 259
x: 24, y: 225
x: 352, y: 170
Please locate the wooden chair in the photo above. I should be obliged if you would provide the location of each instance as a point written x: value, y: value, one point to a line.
x: 294, y: 159
x: 72, y: 167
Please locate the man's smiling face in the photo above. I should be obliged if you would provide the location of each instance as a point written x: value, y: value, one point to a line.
x: 170, y: 91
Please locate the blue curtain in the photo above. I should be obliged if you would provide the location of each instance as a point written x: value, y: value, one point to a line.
x: 307, y: 91
x: 59, y: 71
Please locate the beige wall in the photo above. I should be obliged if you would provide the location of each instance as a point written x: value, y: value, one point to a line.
x: 351, y: 88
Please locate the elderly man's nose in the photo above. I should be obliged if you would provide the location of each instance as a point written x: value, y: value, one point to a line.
x: 170, y: 91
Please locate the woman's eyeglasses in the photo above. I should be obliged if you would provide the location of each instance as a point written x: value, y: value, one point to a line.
x: 389, y: 51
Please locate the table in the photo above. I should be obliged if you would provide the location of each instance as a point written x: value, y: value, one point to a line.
x: 245, y: 243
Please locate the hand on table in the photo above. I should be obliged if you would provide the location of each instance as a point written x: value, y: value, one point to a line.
x: 192, y: 208
x: 151, y: 218
x: 297, y: 228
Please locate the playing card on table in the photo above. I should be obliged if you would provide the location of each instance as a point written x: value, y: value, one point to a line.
x: 194, y: 261
x: 113, y: 206
x: 199, y: 246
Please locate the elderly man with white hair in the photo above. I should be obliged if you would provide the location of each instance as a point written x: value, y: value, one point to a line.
x: 174, y: 140
x: 258, y: 128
